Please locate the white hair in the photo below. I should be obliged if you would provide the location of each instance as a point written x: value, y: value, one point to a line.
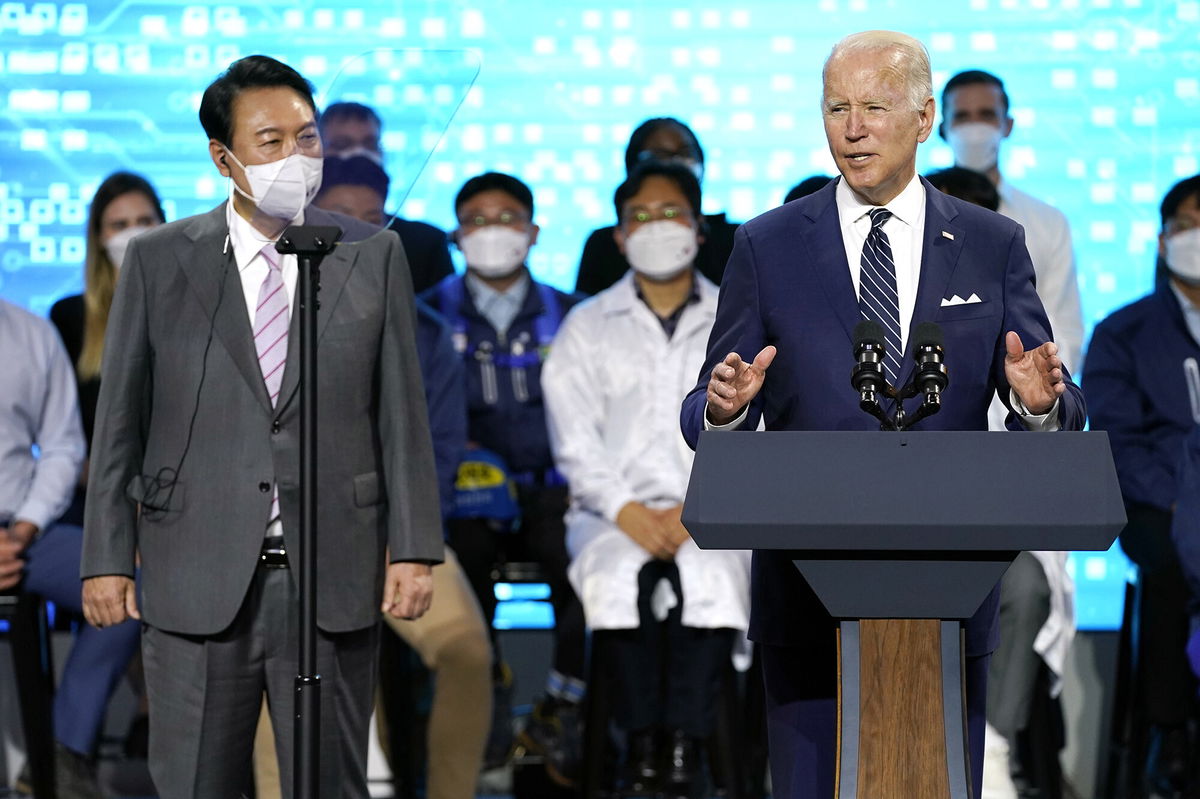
x: 907, y: 57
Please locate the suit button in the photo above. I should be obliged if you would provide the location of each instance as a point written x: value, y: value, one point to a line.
x: 275, y: 426
x: 264, y: 487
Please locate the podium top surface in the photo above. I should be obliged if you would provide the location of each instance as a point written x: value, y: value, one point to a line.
x: 888, y: 491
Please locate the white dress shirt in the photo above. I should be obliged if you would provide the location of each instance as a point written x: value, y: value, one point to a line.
x: 906, y: 234
x: 500, y: 308
x: 905, y: 230
x: 247, y: 242
x: 1048, y: 239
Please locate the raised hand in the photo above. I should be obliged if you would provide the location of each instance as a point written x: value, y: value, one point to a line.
x: 734, y: 383
x: 1036, y: 375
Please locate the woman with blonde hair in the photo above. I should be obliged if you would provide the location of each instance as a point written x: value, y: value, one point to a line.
x: 124, y: 206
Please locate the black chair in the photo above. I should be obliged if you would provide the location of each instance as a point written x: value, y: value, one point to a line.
x: 1126, y: 740
x: 29, y: 638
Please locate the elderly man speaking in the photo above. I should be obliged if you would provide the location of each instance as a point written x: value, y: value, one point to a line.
x: 878, y: 243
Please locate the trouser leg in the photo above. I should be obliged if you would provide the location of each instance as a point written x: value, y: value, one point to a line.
x: 346, y: 664
x: 801, y: 721
x: 1013, y: 673
x: 205, y: 694
x: 98, y: 657
x: 545, y: 534
x: 1166, y: 685
x: 638, y: 660
x: 452, y: 640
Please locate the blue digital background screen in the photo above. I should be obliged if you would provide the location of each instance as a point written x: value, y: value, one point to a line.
x: 1105, y: 94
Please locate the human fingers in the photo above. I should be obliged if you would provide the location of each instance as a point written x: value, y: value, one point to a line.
x: 131, y: 608
x: 1013, y: 347
x: 764, y: 358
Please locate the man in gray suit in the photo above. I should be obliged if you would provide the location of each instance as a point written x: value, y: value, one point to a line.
x: 195, y: 462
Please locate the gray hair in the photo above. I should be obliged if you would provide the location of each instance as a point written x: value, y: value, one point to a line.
x: 907, y: 57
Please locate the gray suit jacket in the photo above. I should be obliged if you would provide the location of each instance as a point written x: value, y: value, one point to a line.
x: 179, y: 326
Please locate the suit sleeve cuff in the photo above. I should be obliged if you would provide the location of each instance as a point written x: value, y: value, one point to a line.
x: 1036, y: 422
x: 733, y: 425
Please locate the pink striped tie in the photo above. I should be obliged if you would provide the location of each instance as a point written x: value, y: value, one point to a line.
x: 271, y: 335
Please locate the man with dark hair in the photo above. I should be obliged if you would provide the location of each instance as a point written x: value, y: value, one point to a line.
x: 810, y: 185
x: 353, y: 129
x: 195, y: 459
x: 965, y: 184
x: 503, y: 322
x: 355, y: 186
x: 666, y: 611
x: 975, y: 120
x: 659, y: 139
x: 1142, y: 377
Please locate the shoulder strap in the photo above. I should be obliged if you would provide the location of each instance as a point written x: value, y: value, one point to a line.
x: 547, y: 322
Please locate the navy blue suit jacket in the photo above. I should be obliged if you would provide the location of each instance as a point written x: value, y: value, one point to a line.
x: 788, y: 284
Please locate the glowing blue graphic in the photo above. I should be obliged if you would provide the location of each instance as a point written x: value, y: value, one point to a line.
x: 1105, y: 97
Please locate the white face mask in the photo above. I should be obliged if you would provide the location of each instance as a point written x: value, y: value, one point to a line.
x: 1183, y: 256
x: 119, y: 243
x: 371, y: 155
x: 976, y: 145
x: 494, y: 251
x: 283, y: 188
x: 661, y: 249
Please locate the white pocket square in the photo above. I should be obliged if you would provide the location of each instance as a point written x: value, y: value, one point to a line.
x: 957, y: 300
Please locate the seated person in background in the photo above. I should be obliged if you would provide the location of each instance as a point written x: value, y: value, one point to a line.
x: 809, y: 185
x: 503, y: 322
x: 37, y: 554
x: 966, y: 184
x: 124, y: 206
x: 349, y: 129
x: 1185, y: 532
x: 1142, y: 378
x: 452, y: 637
x: 618, y: 371
x: 660, y: 139
x: 1037, y: 625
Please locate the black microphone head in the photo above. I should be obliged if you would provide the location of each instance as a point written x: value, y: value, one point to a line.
x: 869, y: 332
x: 928, y: 334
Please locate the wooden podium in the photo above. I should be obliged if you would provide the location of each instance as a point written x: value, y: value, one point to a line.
x: 902, y: 536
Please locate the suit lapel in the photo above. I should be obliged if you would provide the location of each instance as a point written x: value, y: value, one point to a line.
x: 829, y: 259
x: 213, y: 275
x: 939, y: 257
x: 334, y: 272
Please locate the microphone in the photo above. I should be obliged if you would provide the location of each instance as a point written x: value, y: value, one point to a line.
x: 867, y: 377
x: 931, y: 377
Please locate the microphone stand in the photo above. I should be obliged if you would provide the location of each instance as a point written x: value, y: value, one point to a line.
x: 310, y: 244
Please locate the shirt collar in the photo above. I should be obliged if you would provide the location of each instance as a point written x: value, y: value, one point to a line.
x: 246, y: 240
x: 483, y: 294
x: 905, y: 206
x: 1184, y: 302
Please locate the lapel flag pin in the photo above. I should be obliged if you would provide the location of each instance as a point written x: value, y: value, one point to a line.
x: 948, y: 235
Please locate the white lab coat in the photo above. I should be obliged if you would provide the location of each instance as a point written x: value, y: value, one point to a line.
x: 1048, y: 238
x: 613, y: 384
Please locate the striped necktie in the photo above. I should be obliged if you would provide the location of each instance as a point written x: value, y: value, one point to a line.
x: 271, y: 336
x: 878, y: 299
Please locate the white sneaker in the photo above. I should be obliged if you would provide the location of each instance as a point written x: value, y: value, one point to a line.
x: 997, y: 780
